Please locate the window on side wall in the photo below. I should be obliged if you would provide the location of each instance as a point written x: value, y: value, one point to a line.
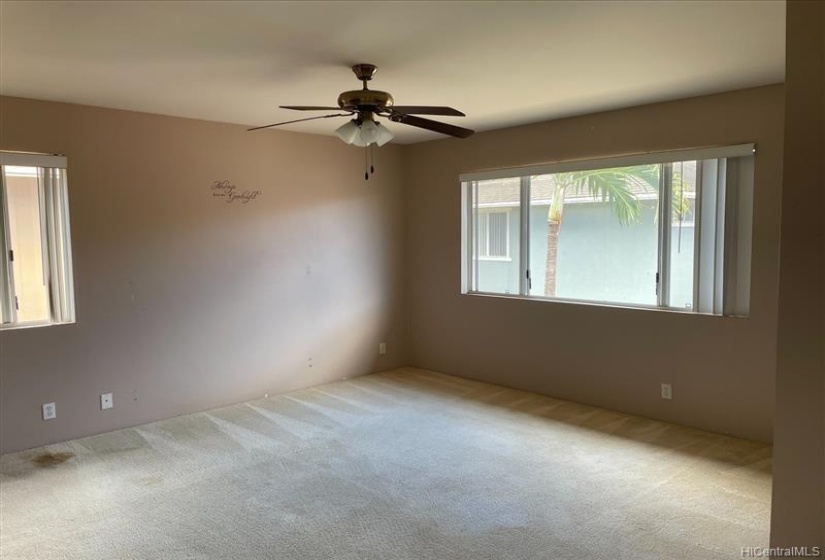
x: 669, y: 230
x: 36, y: 286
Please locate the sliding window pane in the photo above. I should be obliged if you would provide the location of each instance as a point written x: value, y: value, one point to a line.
x: 496, y: 223
x: 594, y: 236
x: 682, y: 234
x: 26, y: 242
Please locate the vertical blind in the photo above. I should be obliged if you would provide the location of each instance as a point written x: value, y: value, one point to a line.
x: 52, y: 181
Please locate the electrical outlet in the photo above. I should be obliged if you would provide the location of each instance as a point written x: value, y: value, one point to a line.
x: 667, y: 391
x: 49, y: 411
x: 106, y: 401
x: 382, y: 348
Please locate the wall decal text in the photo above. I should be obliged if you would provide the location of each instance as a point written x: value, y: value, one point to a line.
x: 231, y: 193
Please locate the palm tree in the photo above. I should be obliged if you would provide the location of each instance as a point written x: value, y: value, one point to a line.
x: 617, y: 186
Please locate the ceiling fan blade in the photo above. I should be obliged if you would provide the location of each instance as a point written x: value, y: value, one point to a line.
x: 427, y: 110
x: 435, y: 126
x: 309, y: 108
x: 300, y: 120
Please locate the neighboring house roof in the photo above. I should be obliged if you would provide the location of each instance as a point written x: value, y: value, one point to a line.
x: 506, y: 192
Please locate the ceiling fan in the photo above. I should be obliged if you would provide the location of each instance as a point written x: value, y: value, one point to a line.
x: 367, y: 104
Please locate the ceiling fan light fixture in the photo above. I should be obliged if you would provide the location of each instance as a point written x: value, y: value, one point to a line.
x: 363, y: 134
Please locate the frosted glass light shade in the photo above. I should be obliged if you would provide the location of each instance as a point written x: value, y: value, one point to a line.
x: 384, y: 135
x: 369, y: 132
x: 348, y: 132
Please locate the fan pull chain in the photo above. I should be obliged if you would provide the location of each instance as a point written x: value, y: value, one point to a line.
x: 369, y: 168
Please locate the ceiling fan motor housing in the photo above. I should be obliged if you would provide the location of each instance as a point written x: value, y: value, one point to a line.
x: 365, y: 100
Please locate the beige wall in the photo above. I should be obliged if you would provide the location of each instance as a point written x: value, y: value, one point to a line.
x: 722, y: 369
x: 185, y: 302
x: 799, y: 466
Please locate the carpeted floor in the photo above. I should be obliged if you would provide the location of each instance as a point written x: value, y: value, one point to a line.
x: 407, y: 464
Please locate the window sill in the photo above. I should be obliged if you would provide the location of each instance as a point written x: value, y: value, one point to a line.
x: 32, y: 325
x: 626, y: 306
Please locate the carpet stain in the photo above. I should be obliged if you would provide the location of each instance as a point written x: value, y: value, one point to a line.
x: 47, y: 459
x: 150, y: 480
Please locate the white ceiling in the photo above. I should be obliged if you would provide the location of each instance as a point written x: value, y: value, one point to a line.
x: 502, y: 63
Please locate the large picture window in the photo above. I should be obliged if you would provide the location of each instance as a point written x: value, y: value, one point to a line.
x: 35, y: 248
x: 668, y: 230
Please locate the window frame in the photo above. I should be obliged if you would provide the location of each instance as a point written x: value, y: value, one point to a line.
x: 722, y: 247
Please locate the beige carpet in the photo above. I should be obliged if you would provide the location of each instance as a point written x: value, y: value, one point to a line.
x: 402, y: 465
